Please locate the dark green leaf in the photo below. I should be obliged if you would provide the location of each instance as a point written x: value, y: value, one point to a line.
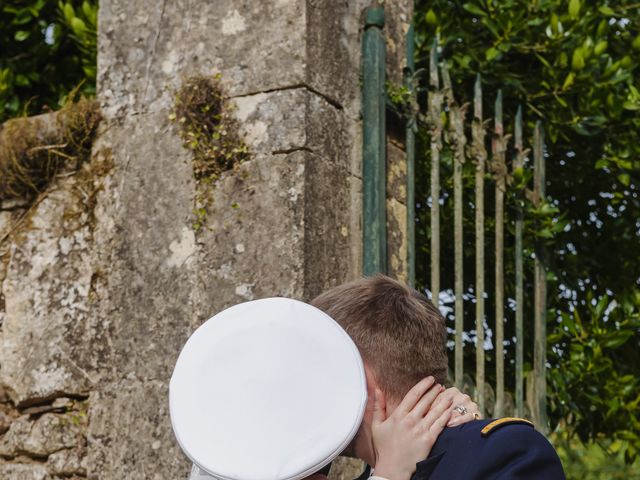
x: 605, y: 10
x: 21, y: 35
x: 472, y: 8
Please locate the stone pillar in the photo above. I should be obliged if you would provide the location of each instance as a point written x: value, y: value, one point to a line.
x: 285, y: 222
x: 115, y: 274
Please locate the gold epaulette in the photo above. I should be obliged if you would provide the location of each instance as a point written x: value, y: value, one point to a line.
x: 501, y: 422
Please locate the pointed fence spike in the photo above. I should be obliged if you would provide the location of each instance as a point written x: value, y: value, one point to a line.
x: 477, y: 98
x: 433, y: 65
x: 518, y: 137
x: 446, y: 79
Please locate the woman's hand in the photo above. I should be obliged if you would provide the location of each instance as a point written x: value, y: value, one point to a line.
x: 408, y: 434
x: 463, y: 409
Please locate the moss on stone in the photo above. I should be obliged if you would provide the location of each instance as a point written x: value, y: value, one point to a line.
x: 33, y: 151
x: 208, y: 127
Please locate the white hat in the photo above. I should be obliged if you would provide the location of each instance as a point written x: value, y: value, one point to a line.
x: 271, y: 389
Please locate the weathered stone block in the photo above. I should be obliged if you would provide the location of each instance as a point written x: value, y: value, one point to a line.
x: 51, y: 433
x: 396, y: 173
x: 48, y: 331
x: 19, y: 430
x: 130, y: 434
x: 328, y: 221
x: 41, y: 437
x: 66, y: 463
x: 398, y: 15
x: 145, y: 245
x: 356, y: 243
x: 5, y: 422
x: 293, y: 119
x: 144, y: 51
x: 23, y: 471
x: 397, y: 239
x: 253, y: 241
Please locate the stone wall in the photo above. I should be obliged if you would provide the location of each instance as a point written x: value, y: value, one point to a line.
x: 105, y: 276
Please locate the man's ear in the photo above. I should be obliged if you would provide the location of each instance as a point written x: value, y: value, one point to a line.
x: 372, y: 386
x: 390, y: 403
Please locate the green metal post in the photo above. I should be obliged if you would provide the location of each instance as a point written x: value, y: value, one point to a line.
x: 374, y: 143
x: 411, y: 149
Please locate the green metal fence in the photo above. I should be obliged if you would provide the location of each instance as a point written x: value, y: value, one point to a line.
x: 495, y: 161
x: 496, y: 151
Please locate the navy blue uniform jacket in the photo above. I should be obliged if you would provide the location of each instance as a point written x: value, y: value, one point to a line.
x: 512, y: 451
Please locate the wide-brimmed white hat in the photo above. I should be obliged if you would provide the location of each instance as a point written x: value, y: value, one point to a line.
x: 272, y: 389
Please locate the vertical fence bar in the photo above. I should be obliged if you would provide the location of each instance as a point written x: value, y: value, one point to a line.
x: 518, y: 164
x: 480, y: 156
x: 499, y: 169
x: 411, y: 148
x: 457, y: 140
x: 374, y: 143
x: 540, y: 293
x: 435, y: 128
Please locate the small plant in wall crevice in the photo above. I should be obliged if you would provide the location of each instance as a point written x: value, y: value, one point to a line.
x: 208, y: 128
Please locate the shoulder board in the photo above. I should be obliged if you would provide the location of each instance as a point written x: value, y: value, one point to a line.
x: 501, y: 422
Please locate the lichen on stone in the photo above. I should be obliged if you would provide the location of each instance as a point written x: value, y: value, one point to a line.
x: 33, y: 152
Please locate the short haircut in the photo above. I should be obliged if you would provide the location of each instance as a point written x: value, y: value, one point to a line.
x: 397, y: 330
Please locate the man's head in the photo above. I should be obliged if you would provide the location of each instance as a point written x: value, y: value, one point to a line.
x: 400, y: 334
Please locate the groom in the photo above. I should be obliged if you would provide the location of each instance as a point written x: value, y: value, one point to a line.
x: 402, y: 339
